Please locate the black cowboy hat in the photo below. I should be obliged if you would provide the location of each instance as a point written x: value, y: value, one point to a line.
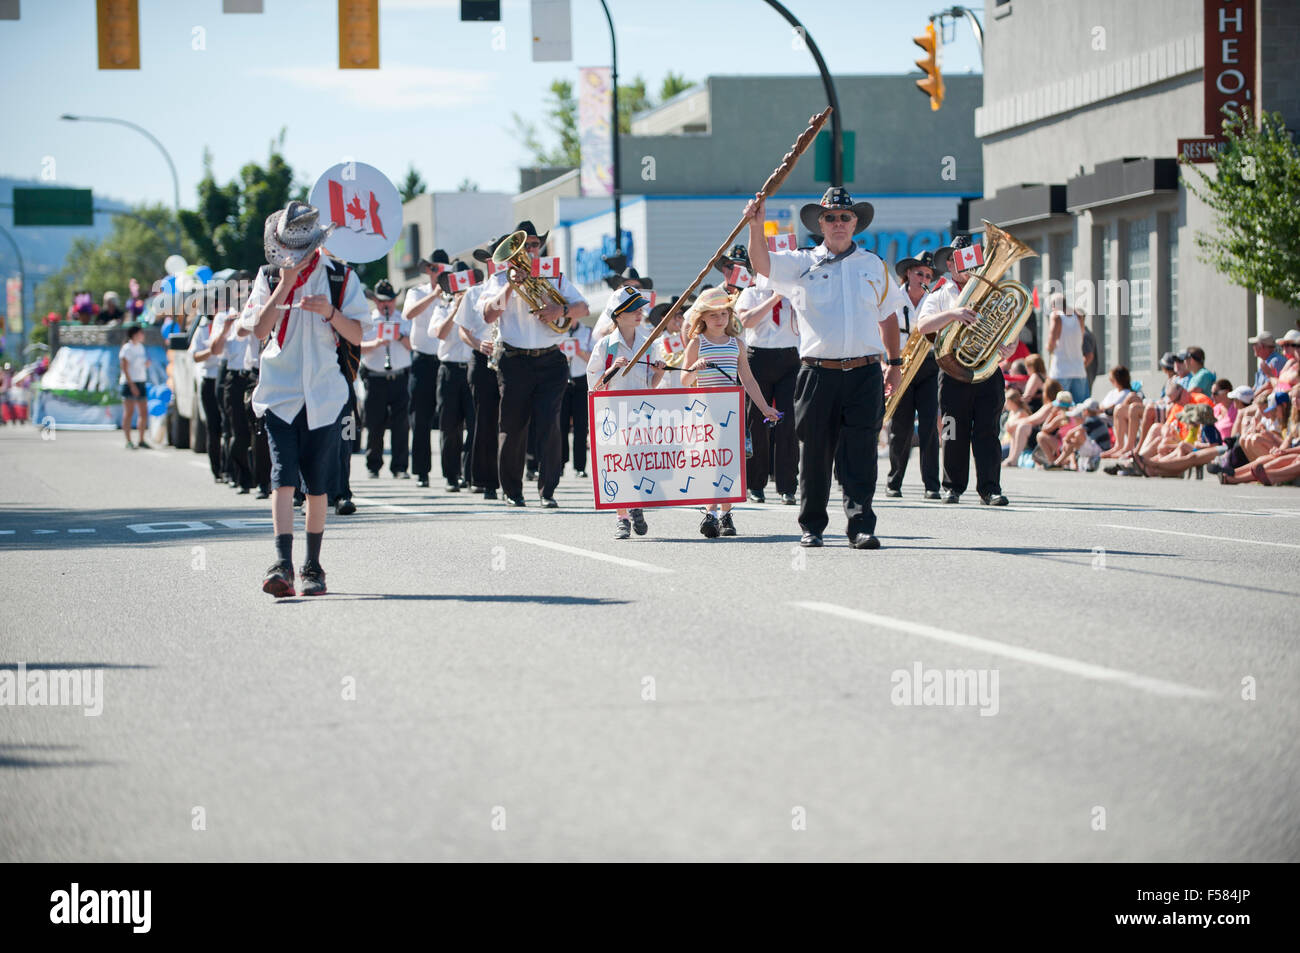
x: 836, y: 198
x: 529, y: 229
x: 383, y: 290
x: 925, y: 261
x: 484, y: 254
x: 943, y: 254
x: 439, y: 257
x: 628, y: 274
x: 461, y: 265
x: 739, y: 255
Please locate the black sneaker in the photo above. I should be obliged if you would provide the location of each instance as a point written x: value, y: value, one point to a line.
x: 345, y: 507
x: 894, y: 493
x: 932, y: 494
x: 709, y: 526
x: 313, y: 579
x: 580, y: 474
x: 993, y: 499
x: 279, y: 580
x: 401, y: 475
x: 515, y: 501
x: 452, y: 486
x: 424, y: 481
x: 952, y: 497
x: 756, y: 496
x: 788, y: 499
x: 245, y: 489
x: 725, y: 526
x: 489, y: 494
x: 548, y: 503
x: 623, y: 529
x: 638, y: 522
x: 374, y: 474
x: 263, y: 493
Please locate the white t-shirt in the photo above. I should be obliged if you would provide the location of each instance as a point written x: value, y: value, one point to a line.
x: 393, y: 349
x: 137, y: 362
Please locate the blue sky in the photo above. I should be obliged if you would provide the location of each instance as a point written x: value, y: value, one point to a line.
x: 442, y: 99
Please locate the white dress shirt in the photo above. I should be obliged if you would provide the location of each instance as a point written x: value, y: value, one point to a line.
x: 519, y: 327
x: 211, y: 366
x: 452, y: 348
x: 233, y: 350
x: 470, y: 316
x: 580, y: 333
x: 840, y: 304
x: 768, y: 333
x: 421, y: 338
x: 908, y: 315
x: 398, y: 356
x: 942, y: 297
x: 612, y: 344
x: 304, y: 370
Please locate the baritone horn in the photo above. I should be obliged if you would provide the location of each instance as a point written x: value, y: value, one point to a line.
x: 538, y: 292
x: 914, y: 354
x: 970, y: 352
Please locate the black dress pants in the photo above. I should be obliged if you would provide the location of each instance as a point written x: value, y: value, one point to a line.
x: 485, y: 392
x: 531, y: 387
x: 919, y: 402
x: 212, y: 411
x: 573, y: 418
x: 775, y: 370
x: 349, y: 432
x: 841, y: 409
x: 424, y: 409
x: 387, y: 406
x: 970, y: 426
x: 236, y: 385
x: 455, y: 415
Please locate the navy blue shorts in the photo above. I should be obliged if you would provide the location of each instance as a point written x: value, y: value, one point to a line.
x: 141, y: 386
x: 300, y: 455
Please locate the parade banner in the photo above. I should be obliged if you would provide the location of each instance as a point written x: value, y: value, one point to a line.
x: 669, y: 447
x: 595, y: 100
x: 14, y: 304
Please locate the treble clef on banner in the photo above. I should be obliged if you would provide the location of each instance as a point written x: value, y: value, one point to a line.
x: 607, y: 426
x: 611, y: 488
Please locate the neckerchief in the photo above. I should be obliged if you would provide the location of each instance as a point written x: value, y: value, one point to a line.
x: 288, y: 301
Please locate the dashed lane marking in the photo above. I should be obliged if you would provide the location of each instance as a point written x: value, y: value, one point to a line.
x: 585, y: 553
x: 1221, y: 539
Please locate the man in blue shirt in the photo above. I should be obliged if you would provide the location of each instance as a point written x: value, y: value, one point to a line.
x: 1270, y: 358
x: 1199, y: 377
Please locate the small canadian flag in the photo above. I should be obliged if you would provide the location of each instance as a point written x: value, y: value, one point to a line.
x: 388, y: 330
x: 672, y: 343
x: 569, y: 347
x: 782, y: 242
x: 739, y: 277
x: 649, y: 298
x: 968, y: 258
x: 493, y: 267
x: 461, y: 280
x: 546, y: 267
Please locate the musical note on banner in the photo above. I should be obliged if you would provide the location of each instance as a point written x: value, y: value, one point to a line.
x: 642, y: 410
x: 725, y: 482
x: 700, y: 404
x: 730, y: 414
x: 687, y: 486
x: 611, y: 488
x: 645, y: 479
x: 607, y: 425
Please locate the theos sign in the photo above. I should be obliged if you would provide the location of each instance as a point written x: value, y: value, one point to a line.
x: 1229, y: 59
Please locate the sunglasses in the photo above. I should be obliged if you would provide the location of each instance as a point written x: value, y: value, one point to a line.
x: 843, y: 217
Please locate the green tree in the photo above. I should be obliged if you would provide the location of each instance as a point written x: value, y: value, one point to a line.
x: 136, y: 248
x: 561, y: 121
x: 467, y: 185
x: 412, y: 185
x: 673, y: 84
x: 1255, y: 193
x: 632, y: 98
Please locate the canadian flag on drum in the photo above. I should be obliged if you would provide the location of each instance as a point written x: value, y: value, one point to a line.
x: 353, y: 209
x: 967, y: 258
x: 782, y: 242
x: 546, y: 267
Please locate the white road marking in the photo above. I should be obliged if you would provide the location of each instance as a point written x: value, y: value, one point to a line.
x: 420, y: 508
x: 8, y: 532
x: 81, y: 531
x: 1060, y: 663
x: 43, y: 532
x: 587, y: 553
x: 1221, y: 539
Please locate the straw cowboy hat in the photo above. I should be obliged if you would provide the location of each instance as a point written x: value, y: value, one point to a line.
x: 292, y: 234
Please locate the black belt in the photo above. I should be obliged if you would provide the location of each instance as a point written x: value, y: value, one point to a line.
x: 841, y: 363
x: 416, y: 355
x: 454, y: 363
x: 529, y: 351
x: 249, y: 374
x: 387, y: 375
x: 774, y: 350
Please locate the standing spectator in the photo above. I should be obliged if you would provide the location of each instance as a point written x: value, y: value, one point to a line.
x: 135, y: 379
x: 111, y: 313
x: 1090, y: 355
x: 1065, y: 349
x: 1038, y: 378
x: 1199, y: 377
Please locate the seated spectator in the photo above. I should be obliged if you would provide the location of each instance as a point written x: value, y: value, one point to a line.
x: 1181, y: 370
x: 1020, y: 433
x: 1271, y: 360
x: 1017, y: 410
x: 1033, y: 391
x: 83, y: 308
x: 1225, y: 408
x: 1016, y: 375
x: 1280, y: 464
x: 1268, y: 434
x: 1124, y: 409
x: 1199, y: 444
x: 1199, y: 377
x: 1055, y: 429
x: 1290, y: 372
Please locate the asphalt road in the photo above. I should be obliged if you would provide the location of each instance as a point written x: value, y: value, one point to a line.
x: 526, y: 687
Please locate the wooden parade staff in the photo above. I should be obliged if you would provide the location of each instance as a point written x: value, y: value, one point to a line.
x: 769, y: 188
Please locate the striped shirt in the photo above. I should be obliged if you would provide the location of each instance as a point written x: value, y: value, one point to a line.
x: 726, y: 356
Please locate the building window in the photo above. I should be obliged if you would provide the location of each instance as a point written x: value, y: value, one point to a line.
x: 1140, y: 311
x: 1062, y: 248
x: 1172, y: 271
x: 1104, y: 303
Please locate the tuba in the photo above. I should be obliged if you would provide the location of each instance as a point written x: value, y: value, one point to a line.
x: 538, y: 292
x: 970, y: 352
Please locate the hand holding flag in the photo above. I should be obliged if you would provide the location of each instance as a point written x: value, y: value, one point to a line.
x: 782, y: 242
x: 546, y: 268
x: 967, y: 258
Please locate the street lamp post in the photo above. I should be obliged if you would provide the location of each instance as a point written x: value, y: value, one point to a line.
x: 176, y: 183
x: 837, y: 153
x: 617, y: 257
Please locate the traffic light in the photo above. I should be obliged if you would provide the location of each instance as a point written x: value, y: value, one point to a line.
x: 118, y: 24
x: 932, y: 85
x: 358, y: 34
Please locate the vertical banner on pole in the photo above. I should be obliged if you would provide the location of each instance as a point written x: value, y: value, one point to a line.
x: 595, y: 98
x: 14, y: 304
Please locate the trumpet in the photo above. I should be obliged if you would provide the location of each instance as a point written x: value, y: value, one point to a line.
x: 538, y: 292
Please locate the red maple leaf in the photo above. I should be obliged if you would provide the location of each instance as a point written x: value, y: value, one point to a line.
x: 355, y: 209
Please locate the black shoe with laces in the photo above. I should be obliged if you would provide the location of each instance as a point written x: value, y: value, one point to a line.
x: 345, y: 507
x: 725, y: 526
x: 932, y: 494
x: 952, y: 497
x: 709, y: 526
x: 623, y: 529
x: 313, y: 579
x: 638, y: 522
x: 788, y: 499
x: 757, y: 496
x: 993, y: 499
x: 279, y: 579
x: 810, y: 541
x: 263, y: 493
x: 864, y: 541
x: 424, y: 481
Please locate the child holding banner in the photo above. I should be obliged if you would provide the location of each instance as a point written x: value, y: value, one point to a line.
x: 608, y: 356
x: 714, y: 358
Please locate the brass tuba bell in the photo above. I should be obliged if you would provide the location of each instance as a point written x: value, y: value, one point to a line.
x: 538, y: 292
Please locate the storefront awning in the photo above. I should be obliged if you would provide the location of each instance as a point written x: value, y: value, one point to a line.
x: 1121, y: 180
x: 1020, y: 204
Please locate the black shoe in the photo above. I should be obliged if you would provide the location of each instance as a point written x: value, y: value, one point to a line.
x: 580, y: 474
x: 952, y: 497
x: 279, y: 580
x: 757, y: 496
x: 424, y: 481
x: 788, y: 499
x: 215, y: 479
x: 464, y: 484
x: 299, y: 499
x: 894, y: 493
x: 452, y: 486
x: 623, y: 529
x: 725, y: 526
x: 401, y: 475
x: 245, y: 489
x: 313, y: 579
x: 530, y: 475
x: 932, y: 494
x: 638, y: 522
x: 709, y: 526
x: 1214, y: 467
x: 263, y: 493
x: 864, y: 541
x: 996, y: 499
x: 143, y: 446
x: 475, y: 488
x: 345, y: 507
x: 515, y: 501
x: 374, y: 474
x: 489, y: 494
x: 548, y: 503
x: 810, y: 541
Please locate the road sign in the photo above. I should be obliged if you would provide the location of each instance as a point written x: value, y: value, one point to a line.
x: 53, y: 207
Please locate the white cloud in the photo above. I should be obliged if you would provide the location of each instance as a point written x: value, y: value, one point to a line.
x: 392, y: 87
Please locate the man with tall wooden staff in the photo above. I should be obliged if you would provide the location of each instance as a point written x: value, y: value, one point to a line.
x: 849, y: 307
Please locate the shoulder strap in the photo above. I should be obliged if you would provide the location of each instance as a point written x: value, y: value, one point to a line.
x: 337, y: 272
